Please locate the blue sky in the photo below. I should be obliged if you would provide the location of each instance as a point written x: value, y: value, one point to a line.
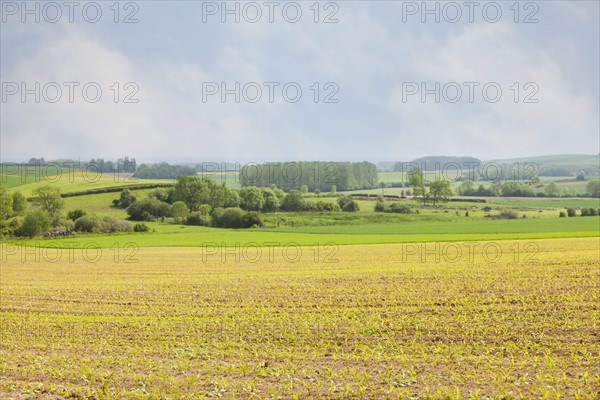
x: 369, y: 61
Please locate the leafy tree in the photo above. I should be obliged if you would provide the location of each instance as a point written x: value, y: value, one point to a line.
x: 162, y: 194
x: 304, y: 189
x: 19, y: 203
x: 148, y: 209
x: 552, y: 190
x: 251, y: 198
x: 593, y: 188
x: 35, y: 223
x: 49, y: 199
x: 466, y: 188
x: 250, y: 219
x: 6, y: 204
x: 294, y: 201
x: 179, y: 211
x: 333, y: 190
x: 351, y: 206
x: 74, y: 215
x: 126, y: 198
x: 342, y: 201
x: 271, y: 202
x: 231, y: 218
x: 417, y: 183
x: 439, y: 191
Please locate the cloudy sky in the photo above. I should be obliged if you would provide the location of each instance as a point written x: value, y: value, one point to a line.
x: 347, y: 80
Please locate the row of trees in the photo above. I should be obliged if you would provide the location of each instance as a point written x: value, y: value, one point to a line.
x: 194, y: 199
x: 163, y: 170
x: 314, y: 175
x: 519, y: 189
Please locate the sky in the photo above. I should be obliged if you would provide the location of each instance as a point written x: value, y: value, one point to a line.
x: 192, y: 81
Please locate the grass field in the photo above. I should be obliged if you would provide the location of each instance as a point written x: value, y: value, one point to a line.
x: 362, y: 321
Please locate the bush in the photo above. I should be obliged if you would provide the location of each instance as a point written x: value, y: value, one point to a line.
x: 399, y: 208
x: 293, y: 201
x: 199, y: 219
x: 140, y: 227
x: 74, y: 215
x: 380, y: 206
x: 343, y: 200
x: 148, y: 209
x: 112, y: 224
x: 562, y: 214
x: 571, y: 212
x: 507, y: 214
x: 250, y: 219
x: 351, y: 206
x: 93, y: 224
x: 34, y: 224
x: 88, y: 223
x: 229, y: 218
x: 589, y: 212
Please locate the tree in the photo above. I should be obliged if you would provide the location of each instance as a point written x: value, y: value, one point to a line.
x: 251, y: 198
x: 35, y: 223
x: 179, y: 211
x: 333, y: 190
x: 351, y: 206
x: 49, y: 200
x: 439, y: 191
x: 126, y: 199
x: 304, y: 189
x: 593, y: 188
x: 74, y: 215
x: 417, y: 183
x: 294, y: 201
x: 466, y: 188
x: 6, y: 204
x: 552, y: 190
x: 271, y: 203
x: 19, y: 203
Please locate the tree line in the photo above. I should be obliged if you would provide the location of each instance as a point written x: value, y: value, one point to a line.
x: 318, y: 175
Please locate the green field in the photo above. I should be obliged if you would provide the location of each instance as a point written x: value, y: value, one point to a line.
x: 434, y: 304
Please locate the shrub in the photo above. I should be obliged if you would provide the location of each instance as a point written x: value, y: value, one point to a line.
x: 380, y: 206
x: 507, y: 214
x: 87, y: 223
x: 112, y: 224
x: 93, y: 224
x: 399, y: 208
x: 148, y: 209
x: 230, y: 218
x: 571, y: 212
x: 34, y: 224
x: 351, y: 206
x: 199, y: 219
x: 250, y: 219
x: 562, y: 214
x: 140, y: 227
x: 74, y: 215
x: 293, y: 201
x: 343, y: 200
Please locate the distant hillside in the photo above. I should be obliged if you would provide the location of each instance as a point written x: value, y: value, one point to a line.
x: 432, y: 163
x: 582, y: 160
